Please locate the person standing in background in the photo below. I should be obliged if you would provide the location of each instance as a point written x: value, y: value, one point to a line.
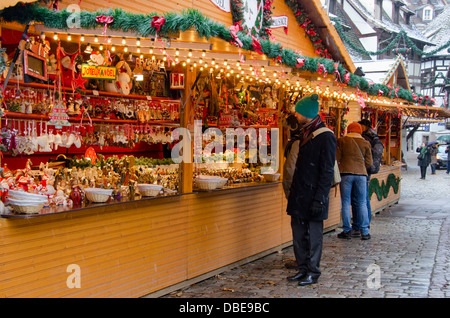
x: 354, y: 156
x: 424, y: 159
x: 433, y: 161
x: 377, y: 153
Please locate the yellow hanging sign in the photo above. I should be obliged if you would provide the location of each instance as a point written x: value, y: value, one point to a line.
x: 98, y: 72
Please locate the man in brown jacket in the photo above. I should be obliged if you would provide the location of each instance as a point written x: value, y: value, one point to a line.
x: 354, y: 156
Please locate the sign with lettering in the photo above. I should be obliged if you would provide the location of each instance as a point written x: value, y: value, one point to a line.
x: 223, y: 5
x: 98, y: 72
x: 280, y: 21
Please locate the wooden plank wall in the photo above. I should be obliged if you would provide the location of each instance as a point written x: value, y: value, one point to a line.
x: 134, y: 249
x: 123, y: 251
x: 295, y: 39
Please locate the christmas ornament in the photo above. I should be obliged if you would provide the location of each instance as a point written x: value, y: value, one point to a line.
x: 59, y: 117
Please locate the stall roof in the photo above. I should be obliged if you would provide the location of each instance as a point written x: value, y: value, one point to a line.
x: 387, y: 71
x: 9, y: 3
x: 413, y: 111
x: 327, y: 32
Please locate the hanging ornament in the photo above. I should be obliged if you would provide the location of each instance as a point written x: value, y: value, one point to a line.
x: 59, y: 117
x: 285, y: 30
x: 78, y: 82
x: 90, y: 154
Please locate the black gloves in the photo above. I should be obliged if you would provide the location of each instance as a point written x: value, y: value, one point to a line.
x: 317, y: 208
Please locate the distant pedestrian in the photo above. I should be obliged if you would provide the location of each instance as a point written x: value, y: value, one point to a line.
x: 354, y: 156
x: 447, y: 151
x: 308, y: 199
x: 424, y: 159
x: 433, y: 161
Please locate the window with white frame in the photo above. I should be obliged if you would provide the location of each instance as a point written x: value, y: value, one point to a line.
x: 427, y: 13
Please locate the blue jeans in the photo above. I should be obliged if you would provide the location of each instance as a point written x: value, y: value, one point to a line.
x: 358, y: 185
x: 355, y: 218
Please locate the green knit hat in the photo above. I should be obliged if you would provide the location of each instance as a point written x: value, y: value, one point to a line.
x: 308, y: 106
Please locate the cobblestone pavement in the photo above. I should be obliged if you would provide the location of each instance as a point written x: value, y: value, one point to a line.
x: 409, y: 249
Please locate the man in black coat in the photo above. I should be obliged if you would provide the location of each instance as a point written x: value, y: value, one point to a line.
x: 308, y: 199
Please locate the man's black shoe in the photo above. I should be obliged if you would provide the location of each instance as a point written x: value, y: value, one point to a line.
x: 308, y: 280
x: 355, y: 233
x: 298, y: 276
x: 365, y: 237
x: 344, y: 235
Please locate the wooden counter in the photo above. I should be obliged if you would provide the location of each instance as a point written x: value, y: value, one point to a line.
x: 139, y: 247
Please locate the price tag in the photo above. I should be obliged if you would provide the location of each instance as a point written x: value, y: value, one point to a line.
x: 95, y: 93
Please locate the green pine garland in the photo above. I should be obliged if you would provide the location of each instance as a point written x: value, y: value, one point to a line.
x: 205, y: 27
x: 401, y: 35
x: 433, y: 81
x: 382, y: 191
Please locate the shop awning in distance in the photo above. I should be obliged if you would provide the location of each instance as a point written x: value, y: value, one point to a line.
x: 414, y: 111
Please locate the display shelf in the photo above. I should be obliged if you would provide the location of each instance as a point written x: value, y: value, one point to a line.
x: 239, y: 186
x: 16, y: 115
x: 92, y: 92
x: 84, y: 206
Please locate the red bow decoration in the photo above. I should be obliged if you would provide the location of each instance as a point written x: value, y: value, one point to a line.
x: 256, y: 45
x: 277, y: 59
x: 336, y: 71
x: 298, y: 12
x: 285, y: 30
x: 269, y: 33
x: 300, y: 62
x: 346, y: 78
x: 380, y: 92
x: 414, y: 97
x: 396, y: 90
x: 157, y: 22
x: 234, y: 29
x: 305, y: 24
x: 322, y: 69
x: 104, y: 20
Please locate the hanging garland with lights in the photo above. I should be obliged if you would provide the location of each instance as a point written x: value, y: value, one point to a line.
x: 144, y: 26
x: 382, y: 190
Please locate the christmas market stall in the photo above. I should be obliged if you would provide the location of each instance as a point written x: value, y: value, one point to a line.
x: 142, y: 143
